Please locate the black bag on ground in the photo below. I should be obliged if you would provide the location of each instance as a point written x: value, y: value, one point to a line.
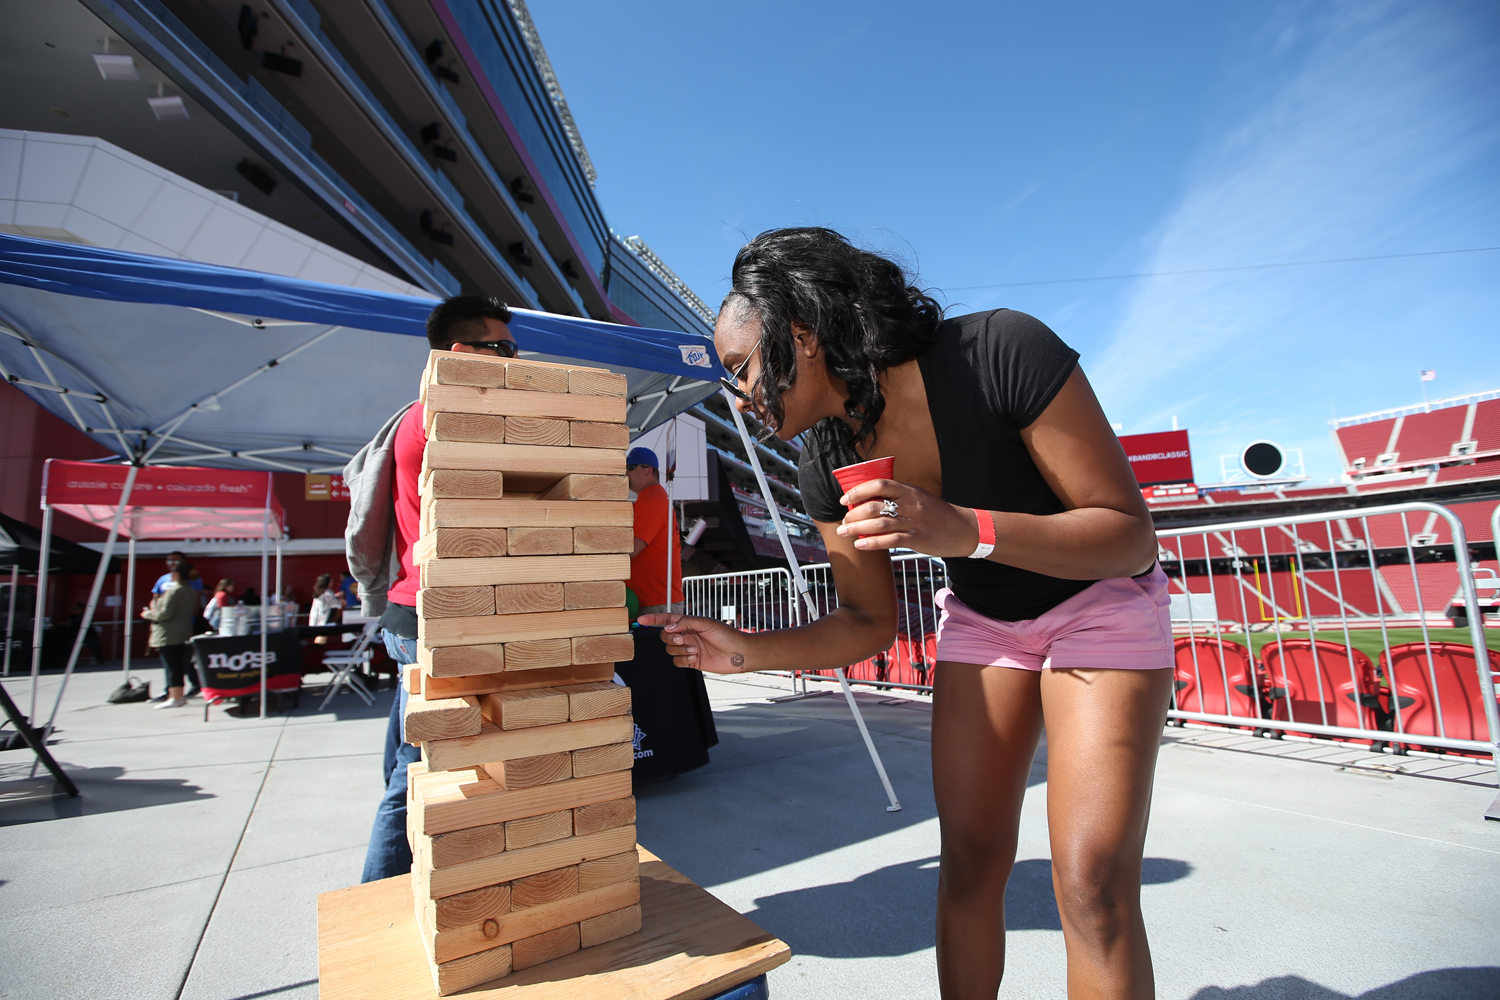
x: 674, y: 725
x: 134, y: 689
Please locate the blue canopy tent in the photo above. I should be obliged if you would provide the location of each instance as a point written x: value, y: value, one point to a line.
x: 169, y: 361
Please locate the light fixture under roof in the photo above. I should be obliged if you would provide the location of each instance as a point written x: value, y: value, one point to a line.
x: 113, y: 67
x: 168, y: 109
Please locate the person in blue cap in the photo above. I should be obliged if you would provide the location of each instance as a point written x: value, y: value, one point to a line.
x: 648, y: 562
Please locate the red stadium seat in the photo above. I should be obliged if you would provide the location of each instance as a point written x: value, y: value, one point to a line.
x: 1215, y: 678
x: 1312, y: 682
x: 1453, y: 681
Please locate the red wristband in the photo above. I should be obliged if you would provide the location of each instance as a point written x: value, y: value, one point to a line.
x: 986, y: 534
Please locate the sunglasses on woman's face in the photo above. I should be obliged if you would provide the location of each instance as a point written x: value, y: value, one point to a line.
x: 504, y: 348
x: 733, y: 382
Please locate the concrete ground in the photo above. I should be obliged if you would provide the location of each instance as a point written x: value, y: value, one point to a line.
x: 1276, y: 869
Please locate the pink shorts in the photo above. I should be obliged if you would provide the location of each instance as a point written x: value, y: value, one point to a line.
x: 1116, y: 624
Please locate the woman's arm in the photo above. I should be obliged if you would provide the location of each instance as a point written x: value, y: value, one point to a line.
x: 1105, y: 530
x: 863, y: 624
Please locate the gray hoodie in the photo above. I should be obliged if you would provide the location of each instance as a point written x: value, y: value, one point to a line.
x: 370, y: 536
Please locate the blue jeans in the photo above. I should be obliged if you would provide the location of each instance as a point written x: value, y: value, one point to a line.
x: 389, y: 853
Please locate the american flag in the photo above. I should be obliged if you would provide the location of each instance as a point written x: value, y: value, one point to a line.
x: 1428, y: 374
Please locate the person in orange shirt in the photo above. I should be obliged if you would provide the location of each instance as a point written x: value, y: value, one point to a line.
x: 648, y: 563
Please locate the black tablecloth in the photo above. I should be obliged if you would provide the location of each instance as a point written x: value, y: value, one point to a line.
x: 232, y: 662
x: 674, y: 726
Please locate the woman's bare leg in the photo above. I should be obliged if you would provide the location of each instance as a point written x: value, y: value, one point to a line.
x: 985, y: 725
x: 1103, y: 731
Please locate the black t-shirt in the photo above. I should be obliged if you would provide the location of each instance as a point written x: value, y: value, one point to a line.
x: 988, y: 376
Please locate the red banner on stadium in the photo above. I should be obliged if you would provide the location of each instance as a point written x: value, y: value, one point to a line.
x: 155, y: 485
x: 1159, y: 458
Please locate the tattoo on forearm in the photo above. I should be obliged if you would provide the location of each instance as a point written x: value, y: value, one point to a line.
x: 737, y: 659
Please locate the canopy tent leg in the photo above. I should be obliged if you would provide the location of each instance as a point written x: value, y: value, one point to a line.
x: 128, y: 603
x: 10, y: 618
x: 812, y: 608
x: 37, y: 631
x: 279, y: 596
x: 88, y: 610
x: 265, y: 596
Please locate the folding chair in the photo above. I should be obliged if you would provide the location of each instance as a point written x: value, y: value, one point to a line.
x: 345, y: 662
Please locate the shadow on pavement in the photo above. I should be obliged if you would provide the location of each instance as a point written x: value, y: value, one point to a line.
x: 893, y: 911
x: 1436, y: 984
x: 103, y: 790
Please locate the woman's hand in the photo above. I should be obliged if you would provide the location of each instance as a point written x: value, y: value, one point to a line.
x: 923, y: 522
x: 702, y: 643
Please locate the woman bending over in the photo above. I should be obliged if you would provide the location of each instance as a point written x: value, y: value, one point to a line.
x: 1006, y: 467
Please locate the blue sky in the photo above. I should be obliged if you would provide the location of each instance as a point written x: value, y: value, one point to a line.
x: 993, y: 144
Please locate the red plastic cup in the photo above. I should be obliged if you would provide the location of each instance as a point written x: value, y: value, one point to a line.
x: 851, y: 476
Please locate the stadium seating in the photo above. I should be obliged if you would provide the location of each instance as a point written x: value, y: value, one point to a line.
x: 1365, y: 441
x: 1431, y: 435
x: 1486, y: 432
x: 1312, y: 682
x: 1452, y: 681
x: 1215, y: 678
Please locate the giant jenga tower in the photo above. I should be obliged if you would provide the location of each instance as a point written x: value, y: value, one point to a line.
x: 521, y: 817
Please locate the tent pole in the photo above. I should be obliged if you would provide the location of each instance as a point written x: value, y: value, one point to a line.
x: 37, y: 631
x: 88, y: 610
x: 812, y: 608
x: 265, y: 598
x: 10, y: 617
x: 279, y: 596
x: 129, y: 602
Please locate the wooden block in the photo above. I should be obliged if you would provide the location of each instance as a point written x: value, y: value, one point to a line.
x: 442, y: 718
x: 479, y: 428
x: 544, y: 887
x: 524, y: 569
x: 466, y: 369
x: 542, y: 512
x: 609, y: 926
x: 587, y: 487
x: 604, y: 649
x: 542, y: 541
x: 512, y: 865
x: 525, y: 709
x: 539, y: 430
x: 472, y: 970
x: 528, y: 772
x: 593, y: 434
x: 535, y: 830
x: 463, y: 484
x: 544, y: 947
x: 455, y: 602
x: 449, y: 805
x: 596, y: 701
x: 587, y: 541
x: 412, y: 676
x: 460, y: 543
x: 472, y: 907
x: 532, y: 920
x: 536, y: 378
x: 517, y: 680
x: 603, y: 816
x: 474, y: 631
x: 462, y: 661
x: 466, y: 845
x: 522, y: 459
x: 529, y: 598
x: 539, y: 654
x: 608, y: 870
x: 594, y: 594
x: 493, y: 743
x: 602, y: 759
x: 595, y: 382
x: 521, y: 403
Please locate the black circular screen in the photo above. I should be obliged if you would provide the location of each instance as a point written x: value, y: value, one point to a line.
x: 1262, y: 459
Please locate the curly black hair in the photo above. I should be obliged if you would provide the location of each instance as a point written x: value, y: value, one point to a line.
x: 867, y: 315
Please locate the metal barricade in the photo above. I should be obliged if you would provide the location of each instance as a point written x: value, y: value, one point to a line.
x: 755, y: 601
x: 1323, y: 625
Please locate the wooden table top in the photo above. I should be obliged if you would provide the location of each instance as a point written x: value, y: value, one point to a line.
x: 690, y: 946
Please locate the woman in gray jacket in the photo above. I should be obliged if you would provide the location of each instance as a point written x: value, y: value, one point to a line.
x: 171, y: 614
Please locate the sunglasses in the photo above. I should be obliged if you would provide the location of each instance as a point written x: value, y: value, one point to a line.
x: 504, y: 348
x: 733, y: 382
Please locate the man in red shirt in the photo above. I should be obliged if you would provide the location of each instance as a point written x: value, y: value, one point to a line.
x: 648, y: 563
x: 466, y: 324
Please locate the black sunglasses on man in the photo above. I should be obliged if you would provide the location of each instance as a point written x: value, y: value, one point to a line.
x: 504, y: 348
